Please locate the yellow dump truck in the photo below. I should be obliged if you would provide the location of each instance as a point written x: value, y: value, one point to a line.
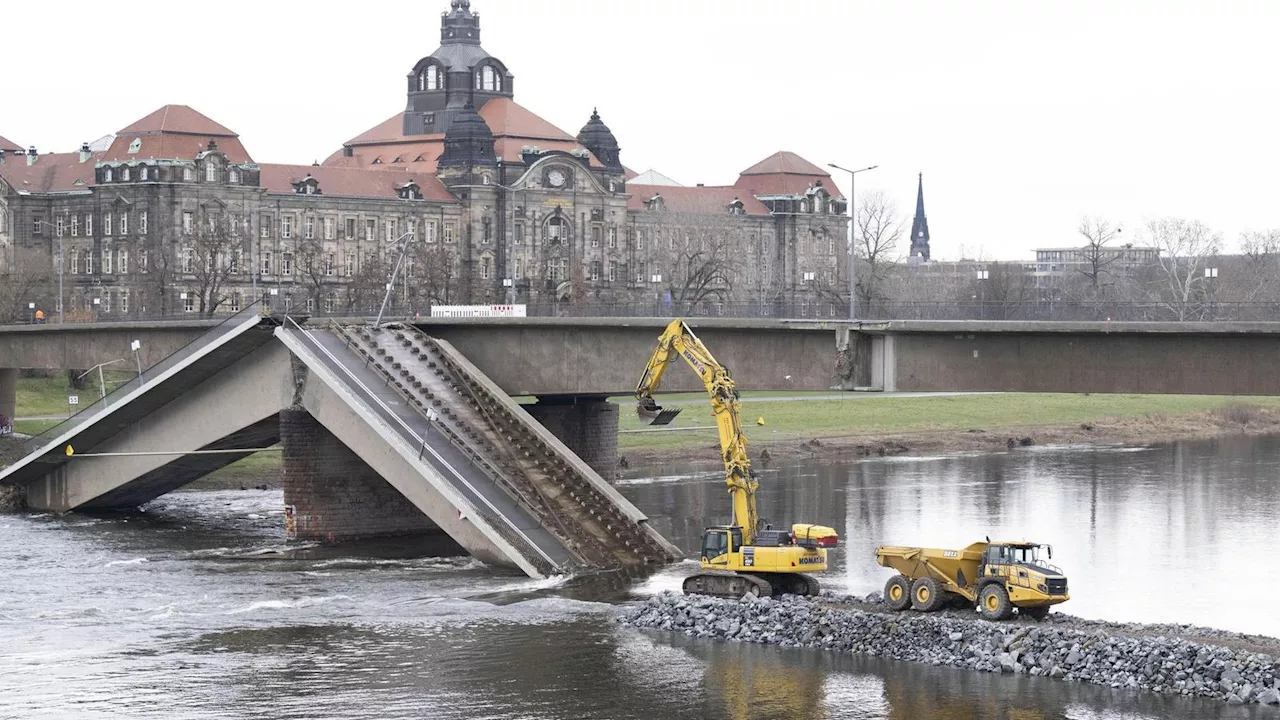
x: 997, y: 576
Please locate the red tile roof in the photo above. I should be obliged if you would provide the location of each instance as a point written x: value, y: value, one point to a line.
x: 352, y: 182
x: 699, y: 200
x: 174, y: 132
x: 513, y: 126
x: 7, y: 145
x: 173, y: 147
x: 178, y: 119
x: 55, y: 172
x: 784, y: 173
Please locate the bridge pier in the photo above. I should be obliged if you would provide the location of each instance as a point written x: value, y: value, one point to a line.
x: 586, y: 424
x: 335, y: 496
x: 9, y: 393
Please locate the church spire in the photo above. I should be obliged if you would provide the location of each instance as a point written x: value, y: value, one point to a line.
x: 920, y: 226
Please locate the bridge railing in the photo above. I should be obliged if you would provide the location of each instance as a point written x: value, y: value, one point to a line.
x: 173, y: 360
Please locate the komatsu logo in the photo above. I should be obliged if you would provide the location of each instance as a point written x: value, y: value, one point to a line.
x: 811, y: 560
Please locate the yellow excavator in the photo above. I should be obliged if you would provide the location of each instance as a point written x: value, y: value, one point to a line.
x: 741, y: 558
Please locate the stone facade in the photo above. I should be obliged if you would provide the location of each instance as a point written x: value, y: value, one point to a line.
x: 498, y: 206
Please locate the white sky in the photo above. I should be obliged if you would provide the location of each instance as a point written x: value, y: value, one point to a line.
x: 1022, y: 115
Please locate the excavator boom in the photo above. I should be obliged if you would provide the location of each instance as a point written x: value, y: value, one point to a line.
x: 678, y: 340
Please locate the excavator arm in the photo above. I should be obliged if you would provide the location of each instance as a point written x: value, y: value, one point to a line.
x: 679, y: 340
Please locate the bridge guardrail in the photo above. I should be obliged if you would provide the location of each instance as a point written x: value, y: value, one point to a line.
x: 94, y: 410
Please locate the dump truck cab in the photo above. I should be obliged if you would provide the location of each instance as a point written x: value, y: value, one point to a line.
x: 996, y: 576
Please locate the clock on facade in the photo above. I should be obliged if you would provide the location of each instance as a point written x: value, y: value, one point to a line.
x: 556, y: 178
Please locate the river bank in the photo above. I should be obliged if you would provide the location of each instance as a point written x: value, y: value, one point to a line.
x: 1233, y: 418
x: 1177, y: 660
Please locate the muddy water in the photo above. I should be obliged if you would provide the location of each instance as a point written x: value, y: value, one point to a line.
x: 196, y: 607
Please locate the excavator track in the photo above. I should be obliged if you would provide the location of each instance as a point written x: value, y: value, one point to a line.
x: 734, y: 585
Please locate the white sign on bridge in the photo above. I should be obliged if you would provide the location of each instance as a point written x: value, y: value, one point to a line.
x: 469, y: 311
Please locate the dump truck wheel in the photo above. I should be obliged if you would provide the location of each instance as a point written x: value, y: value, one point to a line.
x: 994, y: 602
x: 1035, y: 613
x: 897, y: 593
x: 925, y: 595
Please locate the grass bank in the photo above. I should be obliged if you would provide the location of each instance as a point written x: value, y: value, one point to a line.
x: 888, y: 423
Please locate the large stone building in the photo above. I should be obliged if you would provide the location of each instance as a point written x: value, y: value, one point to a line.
x: 493, y: 203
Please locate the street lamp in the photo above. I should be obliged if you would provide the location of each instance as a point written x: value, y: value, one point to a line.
x: 657, y: 290
x: 391, y: 285
x: 853, y: 218
x: 60, y: 264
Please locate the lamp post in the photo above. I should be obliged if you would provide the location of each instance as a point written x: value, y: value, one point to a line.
x: 60, y: 264
x: 853, y: 224
x: 391, y: 284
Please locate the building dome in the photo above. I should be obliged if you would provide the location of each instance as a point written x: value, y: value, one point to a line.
x: 598, y: 138
x: 468, y: 141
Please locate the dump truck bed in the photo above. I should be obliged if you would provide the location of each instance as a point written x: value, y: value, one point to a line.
x: 955, y: 570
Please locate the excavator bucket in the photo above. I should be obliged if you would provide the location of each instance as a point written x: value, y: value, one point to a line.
x: 651, y: 414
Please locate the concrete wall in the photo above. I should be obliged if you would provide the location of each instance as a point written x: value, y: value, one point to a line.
x: 332, y: 494
x: 1220, y: 364
x: 587, y: 426
x: 83, y: 346
x: 605, y: 356
x: 8, y: 393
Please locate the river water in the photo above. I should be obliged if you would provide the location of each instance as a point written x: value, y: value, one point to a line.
x: 196, y: 607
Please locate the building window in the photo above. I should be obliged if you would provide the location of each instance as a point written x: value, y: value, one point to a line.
x: 88, y: 225
x: 429, y: 231
x: 75, y: 262
x: 235, y: 302
x: 211, y: 172
x: 371, y: 230
x: 613, y: 237
x: 188, y: 174
x: 330, y: 228
x: 233, y: 176
x: 122, y: 264
x: 351, y: 265
x: 429, y: 79
x: 411, y: 226
x: 188, y: 261
x: 142, y: 222
x: 613, y: 273
x: 107, y: 175
x: 309, y: 228
x: 351, y: 228
x: 486, y: 268
x: 58, y: 226
x: 106, y: 301
x: 488, y: 231
x: 188, y: 223
x: 555, y: 230
x: 124, y: 223
x: 144, y: 174
x: 189, y: 301
x: 264, y: 265
x: 124, y: 174
x: 144, y: 264
x: 519, y: 234
x: 124, y: 302
x: 487, y: 79
x: 233, y: 265
x: 448, y: 232
x: 518, y: 269
x: 389, y: 228
x: 329, y: 261
x: 595, y: 270
x: 286, y: 263
x: 88, y: 262
x: 286, y: 226
x: 106, y: 224
x: 596, y: 233
x: 106, y: 261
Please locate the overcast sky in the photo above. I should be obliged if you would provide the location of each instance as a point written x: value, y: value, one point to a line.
x: 1022, y: 115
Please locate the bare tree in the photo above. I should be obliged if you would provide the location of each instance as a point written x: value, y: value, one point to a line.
x: 1097, y: 252
x: 1183, y: 247
x: 876, y: 239
x: 1003, y: 290
x: 435, y: 279
x: 703, y: 265
x: 214, y: 256
x: 315, y: 268
x: 28, y: 280
x: 1261, y: 267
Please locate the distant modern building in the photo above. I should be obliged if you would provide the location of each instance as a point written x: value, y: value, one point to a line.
x: 173, y: 214
x: 1062, y: 262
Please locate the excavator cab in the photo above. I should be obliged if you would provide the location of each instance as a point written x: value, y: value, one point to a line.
x: 652, y: 414
x: 718, y: 542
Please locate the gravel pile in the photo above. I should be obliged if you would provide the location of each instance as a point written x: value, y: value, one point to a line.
x: 1056, y: 650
